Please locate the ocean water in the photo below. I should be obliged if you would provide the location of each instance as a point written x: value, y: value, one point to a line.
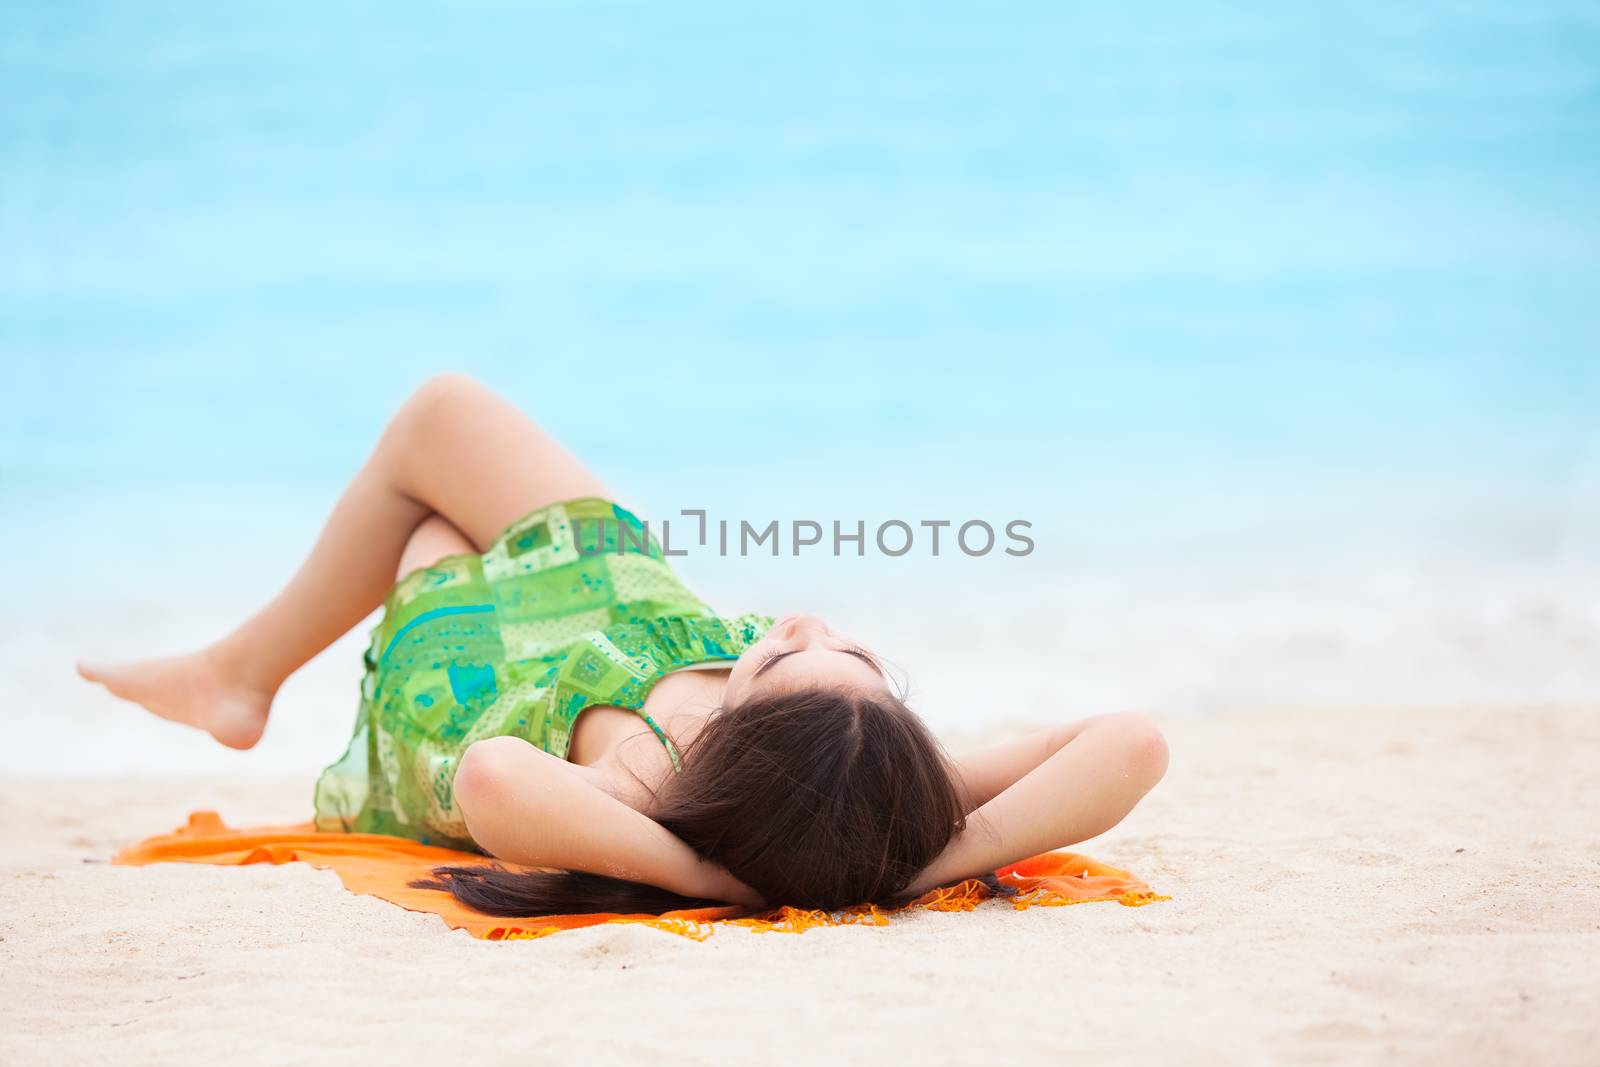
x: 1280, y: 324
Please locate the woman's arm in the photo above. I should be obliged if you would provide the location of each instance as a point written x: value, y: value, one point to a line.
x: 985, y: 774
x: 1101, y: 769
x: 528, y: 807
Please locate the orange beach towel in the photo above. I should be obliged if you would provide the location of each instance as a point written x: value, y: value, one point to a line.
x: 381, y: 866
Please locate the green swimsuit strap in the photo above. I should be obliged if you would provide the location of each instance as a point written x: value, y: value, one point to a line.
x: 680, y: 642
x: 672, y: 749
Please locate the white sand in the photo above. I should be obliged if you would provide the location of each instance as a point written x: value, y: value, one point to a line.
x: 1421, y: 887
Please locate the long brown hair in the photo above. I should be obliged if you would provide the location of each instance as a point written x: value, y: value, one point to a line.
x: 817, y: 798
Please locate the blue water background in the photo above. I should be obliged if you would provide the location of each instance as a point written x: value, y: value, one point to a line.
x: 1175, y: 282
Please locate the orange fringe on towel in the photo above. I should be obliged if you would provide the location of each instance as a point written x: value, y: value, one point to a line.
x: 381, y: 866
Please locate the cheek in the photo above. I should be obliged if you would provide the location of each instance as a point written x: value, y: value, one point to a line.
x: 751, y: 657
x: 739, y: 674
x: 742, y: 671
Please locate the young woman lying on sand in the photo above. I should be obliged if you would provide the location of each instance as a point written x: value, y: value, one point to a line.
x: 534, y: 692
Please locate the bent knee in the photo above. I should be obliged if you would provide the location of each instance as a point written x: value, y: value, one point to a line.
x: 444, y: 396
x: 447, y: 385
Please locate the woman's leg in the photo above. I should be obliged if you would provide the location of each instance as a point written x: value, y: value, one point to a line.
x: 436, y: 538
x: 454, y: 448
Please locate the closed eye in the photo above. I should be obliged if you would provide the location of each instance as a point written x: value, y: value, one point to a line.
x: 865, y: 657
x: 769, y: 661
x: 859, y: 653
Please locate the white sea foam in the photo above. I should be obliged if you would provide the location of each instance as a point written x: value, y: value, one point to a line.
x: 976, y: 649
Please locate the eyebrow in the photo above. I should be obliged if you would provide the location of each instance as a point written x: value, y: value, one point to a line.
x: 857, y: 653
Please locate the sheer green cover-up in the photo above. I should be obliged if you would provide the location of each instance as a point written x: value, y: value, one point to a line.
x: 573, y: 605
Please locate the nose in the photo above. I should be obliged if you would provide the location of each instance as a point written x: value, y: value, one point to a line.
x: 795, y: 625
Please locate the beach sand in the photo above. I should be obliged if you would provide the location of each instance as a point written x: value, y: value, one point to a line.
x: 1419, y: 886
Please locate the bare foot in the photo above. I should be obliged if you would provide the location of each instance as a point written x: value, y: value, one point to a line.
x: 192, y: 690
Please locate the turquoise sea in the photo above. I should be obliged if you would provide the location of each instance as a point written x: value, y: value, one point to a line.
x: 1295, y: 265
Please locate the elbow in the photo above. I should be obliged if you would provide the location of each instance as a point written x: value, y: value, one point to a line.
x: 1144, y: 748
x: 483, y: 774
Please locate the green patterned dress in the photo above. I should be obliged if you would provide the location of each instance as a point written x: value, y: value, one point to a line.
x: 572, y: 606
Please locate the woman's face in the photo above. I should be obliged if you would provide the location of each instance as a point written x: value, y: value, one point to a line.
x: 800, y: 650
